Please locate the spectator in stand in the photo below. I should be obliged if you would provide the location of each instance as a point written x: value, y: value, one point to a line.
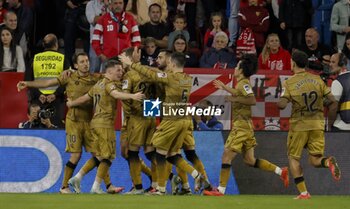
x: 321, y: 19
x: 179, y: 28
x: 24, y: 27
x: 339, y: 113
x: 115, y: 31
x: 75, y: 11
x: 94, y: 10
x: 216, y: 25
x: 340, y: 21
x: 218, y: 56
x: 273, y: 56
x: 294, y: 16
x: 11, y: 55
x: 155, y: 28
x: 256, y: 18
x: 318, y: 53
x: 346, y: 50
x: 36, y: 119
x: 137, y: 8
x: 149, y: 53
x: 2, y: 11
x: 232, y: 13
x: 181, y: 45
x: 206, y: 123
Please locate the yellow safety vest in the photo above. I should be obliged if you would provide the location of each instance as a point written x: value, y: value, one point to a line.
x: 48, y: 65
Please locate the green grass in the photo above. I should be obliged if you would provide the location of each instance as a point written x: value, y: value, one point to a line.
x: 87, y: 201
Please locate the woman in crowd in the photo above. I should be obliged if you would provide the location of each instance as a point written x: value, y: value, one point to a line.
x: 11, y: 55
x: 218, y: 56
x: 180, y: 45
x: 273, y: 56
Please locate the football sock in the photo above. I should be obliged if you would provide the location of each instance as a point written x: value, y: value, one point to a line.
x: 68, y: 173
x: 181, y: 164
x: 135, y: 168
x: 183, y: 175
x: 300, y: 182
x: 265, y: 165
x: 197, y: 163
x: 324, y: 162
x: 89, y: 165
x: 102, y: 170
x: 107, y: 179
x: 145, y: 169
x: 224, y: 174
x: 161, y: 170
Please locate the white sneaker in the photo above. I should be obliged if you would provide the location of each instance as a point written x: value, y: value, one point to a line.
x: 175, y: 182
x: 135, y: 192
x: 65, y: 191
x: 74, y: 182
x: 97, y: 191
x: 198, y: 182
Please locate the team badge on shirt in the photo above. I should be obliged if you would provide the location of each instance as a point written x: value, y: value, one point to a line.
x: 283, y: 90
x: 247, y: 89
x: 125, y: 84
x: 162, y: 75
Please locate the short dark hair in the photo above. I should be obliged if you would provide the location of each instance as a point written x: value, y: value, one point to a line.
x: 50, y: 42
x: 154, y: 5
x: 180, y: 16
x: 249, y: 64
x: 167, y: 52
x: 300, y: 58
x: 178, y: 58
x: 112, y: 63
x: 129, y: 51
x: 32, y: 105
x: 77, y: 55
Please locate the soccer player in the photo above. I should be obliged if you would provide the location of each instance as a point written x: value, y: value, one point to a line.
x: 77, y: 120
x: 306, y: 93
x: 104, y: 95
x: 241, y: 138
x: 169, y: 136
x: 139, y: 129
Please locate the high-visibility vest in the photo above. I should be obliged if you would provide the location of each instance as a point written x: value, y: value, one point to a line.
x: 344, y: 102
x: 48, y: 65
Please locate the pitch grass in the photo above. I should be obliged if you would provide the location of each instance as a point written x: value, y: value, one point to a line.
x: 87, y: 201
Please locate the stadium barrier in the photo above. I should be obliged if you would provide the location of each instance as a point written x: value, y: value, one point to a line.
x: 33, y: 161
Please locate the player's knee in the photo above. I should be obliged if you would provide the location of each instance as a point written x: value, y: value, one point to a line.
x: 96, y: 161
x: 108, y: 162
x: 191, y: 155
x: 133, y: 155
x: 75, y: 157
x: 71, y: 165
x: 150, y: 155
x: 173, y: 159
x: 251, y: 162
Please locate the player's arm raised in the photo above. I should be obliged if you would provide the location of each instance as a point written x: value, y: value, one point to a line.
x: 220, y: 85
x: 144, y: 70
x: 37, y: 84
x: 121, y: 95
x: 79, y: 101
x: 284, y: 98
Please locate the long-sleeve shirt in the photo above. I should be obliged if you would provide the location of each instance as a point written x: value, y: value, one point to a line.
x: 115, y: 32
